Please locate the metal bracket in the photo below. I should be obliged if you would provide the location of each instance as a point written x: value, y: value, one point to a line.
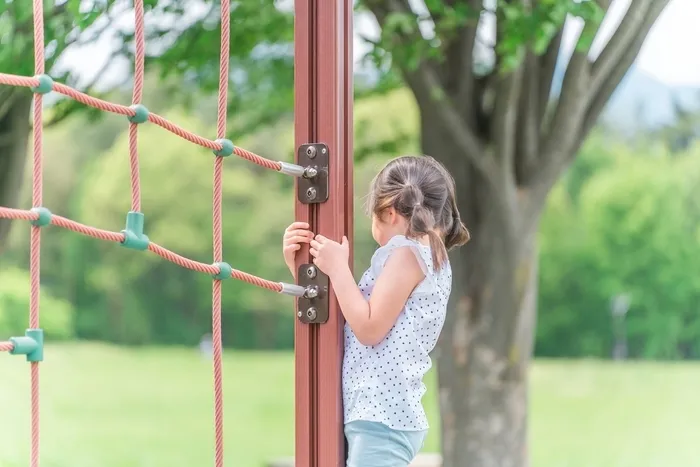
x: 313, y: 190
x: 312, y: 307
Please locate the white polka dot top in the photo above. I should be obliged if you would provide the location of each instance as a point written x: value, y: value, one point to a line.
x: 384, y: 383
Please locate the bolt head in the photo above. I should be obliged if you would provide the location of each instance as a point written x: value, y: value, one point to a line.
x: 311, y: 313
x: 311, y: 193
x: 311, y: 272
x: 300, y: 314
x: 311, y: 152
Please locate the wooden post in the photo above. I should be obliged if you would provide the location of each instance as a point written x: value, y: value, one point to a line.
x: 323, y: 114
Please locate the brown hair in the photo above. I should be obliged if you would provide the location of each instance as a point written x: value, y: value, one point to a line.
x: 421, y: 190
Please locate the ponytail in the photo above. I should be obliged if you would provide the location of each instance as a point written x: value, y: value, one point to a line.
x: 422, y: 222
x: 458, y: 234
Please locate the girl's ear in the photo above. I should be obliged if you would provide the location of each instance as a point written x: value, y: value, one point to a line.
x: 390, y: 216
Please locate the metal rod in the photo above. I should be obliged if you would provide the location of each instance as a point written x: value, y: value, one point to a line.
x: 293, y: 290
x: 297, y: 170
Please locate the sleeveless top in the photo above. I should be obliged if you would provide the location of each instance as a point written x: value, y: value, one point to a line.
x: 384, y: 383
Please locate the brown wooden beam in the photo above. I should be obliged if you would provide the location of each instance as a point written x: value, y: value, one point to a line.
x: 323, y: 114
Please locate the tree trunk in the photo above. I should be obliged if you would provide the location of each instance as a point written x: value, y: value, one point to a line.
x: 483, y: 353
x: 14, y: 135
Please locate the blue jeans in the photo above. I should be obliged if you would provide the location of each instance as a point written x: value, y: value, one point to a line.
x: 373, y: 444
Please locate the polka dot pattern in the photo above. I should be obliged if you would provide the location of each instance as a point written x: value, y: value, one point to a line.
x: 384, y: 383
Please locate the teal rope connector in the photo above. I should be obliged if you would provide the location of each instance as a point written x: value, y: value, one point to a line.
x: 225, y: 271
x: 227, y: 148
x: 45, y: 84
x: 133, y: 233
x: 31, y: 345
x: 141, y: 114
x: 44, y: 217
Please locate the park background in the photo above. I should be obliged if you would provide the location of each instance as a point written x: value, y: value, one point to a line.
x: 124, y: 384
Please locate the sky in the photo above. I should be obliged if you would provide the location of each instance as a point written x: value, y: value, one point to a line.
x: 669, y: 53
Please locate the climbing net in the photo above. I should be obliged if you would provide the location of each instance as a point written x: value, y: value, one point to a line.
x: 32, y: 343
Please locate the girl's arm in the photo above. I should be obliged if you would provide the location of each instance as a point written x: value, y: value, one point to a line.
x: 370, y: 320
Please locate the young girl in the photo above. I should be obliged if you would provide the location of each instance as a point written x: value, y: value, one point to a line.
x: 394, y: 317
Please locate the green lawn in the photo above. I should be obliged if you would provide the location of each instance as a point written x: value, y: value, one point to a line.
x: 104, y: 406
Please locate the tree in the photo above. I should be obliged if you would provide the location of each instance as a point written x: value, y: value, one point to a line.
x: 506, y: 143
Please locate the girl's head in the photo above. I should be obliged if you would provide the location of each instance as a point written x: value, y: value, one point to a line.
x: 415, y: 197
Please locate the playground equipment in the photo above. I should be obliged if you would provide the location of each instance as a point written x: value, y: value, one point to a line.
x: 323, y: 136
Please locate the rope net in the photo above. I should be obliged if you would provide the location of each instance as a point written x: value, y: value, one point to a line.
x: 41, y: 84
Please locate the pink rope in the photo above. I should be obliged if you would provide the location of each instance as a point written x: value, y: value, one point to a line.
x: 6, y: 346
x: 139, y: 73
x: 93, y: 101
x: 118, y: 237
x: 14, y: 80
x: 22, y: 81
x: 35, y: 239
x: 86, y: 230
x: 218, y: 237
x: 9, y: 213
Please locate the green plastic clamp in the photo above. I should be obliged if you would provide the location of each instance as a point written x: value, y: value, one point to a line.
x: 31, y: 345
x: 45, y: 84
x: 225, y: 271
x: 141, y: 115
x: 44, y: 217
x: 133, y: 233
x: 226, y: 149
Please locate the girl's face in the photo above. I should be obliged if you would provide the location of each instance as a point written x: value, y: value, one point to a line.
x: 388, y: 225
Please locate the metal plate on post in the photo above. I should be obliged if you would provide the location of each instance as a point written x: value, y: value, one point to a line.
x: 313, y: 308
x: 313, y: 190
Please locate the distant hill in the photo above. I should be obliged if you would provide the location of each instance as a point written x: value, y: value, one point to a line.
x: 641, y: 101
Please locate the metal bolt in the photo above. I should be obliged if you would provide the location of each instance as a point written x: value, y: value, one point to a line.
x: 311, y: 193
x: 310, y: 172
x: 311, y: 152
x: 311, y: 313
x: 323, y: 151
x: 300, y: 314
x: 311, y: 292
x: 311, y: 272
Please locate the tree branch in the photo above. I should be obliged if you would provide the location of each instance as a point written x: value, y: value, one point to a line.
x: 594, y: 104
x: 428, y: 90
x: 620, y: 42
x: 548, y: 64
x: 505, y: 117
x: 528, y: 141
x: 463, y: 73
x: 600, y: 99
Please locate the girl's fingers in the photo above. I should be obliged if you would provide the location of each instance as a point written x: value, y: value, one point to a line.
x: 295, y: 233
x: 314, y: 244
x: 297, y: 239
x: 314, y: 252
x: 297, y: 225
x: 321, y: 238
x: 293, y: 247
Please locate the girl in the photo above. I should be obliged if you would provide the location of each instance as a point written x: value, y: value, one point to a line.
x: 393, y: 318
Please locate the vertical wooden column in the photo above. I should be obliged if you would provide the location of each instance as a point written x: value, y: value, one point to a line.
x: 323, y: 114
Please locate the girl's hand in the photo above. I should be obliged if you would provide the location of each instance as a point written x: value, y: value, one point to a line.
x: 330, y: 257
x: 294, y: 236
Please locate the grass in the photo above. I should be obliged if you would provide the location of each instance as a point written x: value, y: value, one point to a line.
x: 105, y: 406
